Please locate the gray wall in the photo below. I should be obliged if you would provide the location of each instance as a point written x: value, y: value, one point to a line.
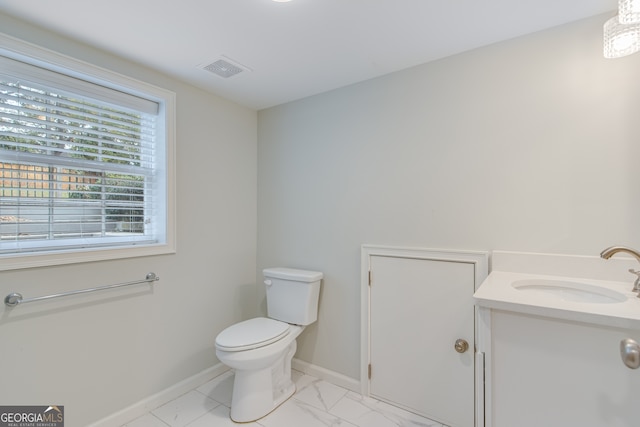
x: 99, y: 354
x: 527, y: 145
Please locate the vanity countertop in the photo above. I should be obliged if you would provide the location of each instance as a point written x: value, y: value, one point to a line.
x: 498, y: 292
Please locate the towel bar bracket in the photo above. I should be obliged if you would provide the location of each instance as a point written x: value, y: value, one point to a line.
x: 15, y: 298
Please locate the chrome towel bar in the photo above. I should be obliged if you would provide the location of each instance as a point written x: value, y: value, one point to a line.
x: 14, y: 299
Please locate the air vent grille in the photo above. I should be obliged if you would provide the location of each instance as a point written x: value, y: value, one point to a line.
x: 224, y: 68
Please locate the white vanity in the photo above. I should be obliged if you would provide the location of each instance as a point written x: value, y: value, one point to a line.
x: 550, y: 329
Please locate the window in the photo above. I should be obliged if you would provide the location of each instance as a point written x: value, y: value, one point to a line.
x: 84, y: 163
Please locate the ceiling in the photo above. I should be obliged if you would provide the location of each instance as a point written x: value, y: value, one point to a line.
x: 289, y: 51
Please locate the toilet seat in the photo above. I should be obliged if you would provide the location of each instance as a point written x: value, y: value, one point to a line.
x: 252, y: 333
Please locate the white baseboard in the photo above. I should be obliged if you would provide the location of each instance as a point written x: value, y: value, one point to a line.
x: 327, y: 375
x: 152, y: 402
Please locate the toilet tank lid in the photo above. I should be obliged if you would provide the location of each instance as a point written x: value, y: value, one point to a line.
x: 292, y: 274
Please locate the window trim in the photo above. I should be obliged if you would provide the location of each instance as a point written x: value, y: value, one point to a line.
x: 27, y: 52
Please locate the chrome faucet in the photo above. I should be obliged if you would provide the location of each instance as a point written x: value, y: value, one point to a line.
x: 609, y: 252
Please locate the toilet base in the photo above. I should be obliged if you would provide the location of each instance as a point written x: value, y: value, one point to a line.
x: 246, y: 409
x: 256, y: 393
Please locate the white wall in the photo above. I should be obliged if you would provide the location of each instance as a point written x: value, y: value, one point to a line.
x: 101, y: 353
x: 527, y: 145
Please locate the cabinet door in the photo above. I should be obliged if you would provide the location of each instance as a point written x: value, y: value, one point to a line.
x: 418, y: 309
x: 552, y: 372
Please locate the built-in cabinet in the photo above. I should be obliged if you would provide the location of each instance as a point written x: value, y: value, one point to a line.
x: 419, y: 332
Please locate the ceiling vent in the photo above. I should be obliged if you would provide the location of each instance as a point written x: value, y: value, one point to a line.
x: 225, y: 68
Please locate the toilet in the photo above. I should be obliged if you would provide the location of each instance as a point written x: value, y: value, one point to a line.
x: 260, y: 349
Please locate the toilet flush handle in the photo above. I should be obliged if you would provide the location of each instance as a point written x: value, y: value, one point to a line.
x: 268, y: 282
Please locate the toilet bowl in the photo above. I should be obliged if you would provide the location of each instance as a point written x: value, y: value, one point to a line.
x: 260, y: 349
x: 262, y: 368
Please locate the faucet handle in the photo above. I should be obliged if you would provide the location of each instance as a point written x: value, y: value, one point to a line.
x: 636, y: 284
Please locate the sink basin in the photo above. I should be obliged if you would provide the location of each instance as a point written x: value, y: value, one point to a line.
x: 569, y: 291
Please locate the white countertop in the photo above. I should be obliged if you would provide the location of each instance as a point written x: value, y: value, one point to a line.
x: 497, y: 292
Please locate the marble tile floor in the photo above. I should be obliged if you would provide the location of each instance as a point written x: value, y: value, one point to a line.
x: 316, y: 403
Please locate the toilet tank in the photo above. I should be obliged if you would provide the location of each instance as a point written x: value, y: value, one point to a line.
x: 292, y: 295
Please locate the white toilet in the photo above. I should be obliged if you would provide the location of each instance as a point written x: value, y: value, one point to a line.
x: 260, y: 349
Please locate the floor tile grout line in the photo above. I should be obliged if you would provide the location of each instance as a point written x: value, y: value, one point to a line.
x: 162, y: 421
x: 318, y: 385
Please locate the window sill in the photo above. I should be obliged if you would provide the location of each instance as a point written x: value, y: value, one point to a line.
x: 44, y: 259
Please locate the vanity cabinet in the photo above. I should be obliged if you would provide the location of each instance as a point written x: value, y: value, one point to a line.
x: 550, y: 327
x: 544, y: 371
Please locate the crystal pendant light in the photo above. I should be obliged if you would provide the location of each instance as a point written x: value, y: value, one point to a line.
x: 620, y: 39
x: 629, y: 11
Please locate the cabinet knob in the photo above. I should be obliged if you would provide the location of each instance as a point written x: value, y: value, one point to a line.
x: 630, y: 353
x: 461, y: 345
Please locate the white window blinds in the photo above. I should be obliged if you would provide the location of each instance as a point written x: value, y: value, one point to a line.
x: 78, y: 163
